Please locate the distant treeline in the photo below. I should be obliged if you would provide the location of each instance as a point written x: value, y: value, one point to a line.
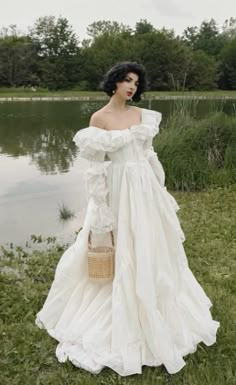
x: 50, y: 55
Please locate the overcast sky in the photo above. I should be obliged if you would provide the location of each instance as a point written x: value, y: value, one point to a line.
x: 177, y: 14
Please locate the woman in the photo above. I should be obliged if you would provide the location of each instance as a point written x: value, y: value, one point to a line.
x: 154, y: 311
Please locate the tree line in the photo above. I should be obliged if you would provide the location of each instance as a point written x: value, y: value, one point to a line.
x: 50, y: 55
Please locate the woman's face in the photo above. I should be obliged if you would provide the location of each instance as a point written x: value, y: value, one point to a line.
x: 127, y: 88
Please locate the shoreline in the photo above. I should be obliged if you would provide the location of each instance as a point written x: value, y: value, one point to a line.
x: 100, y: 98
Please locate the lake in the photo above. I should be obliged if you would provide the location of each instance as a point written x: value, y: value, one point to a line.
x: 39, y: 164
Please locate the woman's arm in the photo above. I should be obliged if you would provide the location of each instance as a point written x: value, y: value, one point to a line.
x: 156, y: 165
x: 95, y: 178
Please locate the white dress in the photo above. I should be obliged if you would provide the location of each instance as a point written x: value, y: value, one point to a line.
x: 154, y: 311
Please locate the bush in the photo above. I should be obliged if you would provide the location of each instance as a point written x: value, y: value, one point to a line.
x: 197, y: 154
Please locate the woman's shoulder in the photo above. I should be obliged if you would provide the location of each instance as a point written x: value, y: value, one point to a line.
x: 100, y: 117
x: 150, y: 111
x: 136, y: 108
x: 97, y: 119
x: 151, y: 117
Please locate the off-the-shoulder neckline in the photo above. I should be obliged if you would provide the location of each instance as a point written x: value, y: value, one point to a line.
x: 125, y: 129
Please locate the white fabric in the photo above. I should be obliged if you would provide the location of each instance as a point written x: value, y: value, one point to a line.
x: 154, y: 311
x: 156, y: 166
x: 102, y: 219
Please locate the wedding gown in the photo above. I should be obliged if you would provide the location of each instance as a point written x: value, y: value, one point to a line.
x: 154, y: 311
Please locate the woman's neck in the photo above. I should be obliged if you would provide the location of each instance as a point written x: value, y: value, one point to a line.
x: 117, y: 104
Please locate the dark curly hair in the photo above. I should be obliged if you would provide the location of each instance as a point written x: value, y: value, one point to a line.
x: 119, y: 72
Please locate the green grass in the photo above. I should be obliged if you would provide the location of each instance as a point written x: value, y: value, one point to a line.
x: 28, y: 353
x: 65, y: 212
x: 197, y: 153
x: 20, y: 92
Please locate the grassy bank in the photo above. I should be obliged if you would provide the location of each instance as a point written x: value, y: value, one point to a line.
x: 20, y: 92
x: 197, y: 153
x: 28, y: 353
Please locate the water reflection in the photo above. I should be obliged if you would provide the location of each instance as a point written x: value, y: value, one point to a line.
x: 42, y: 131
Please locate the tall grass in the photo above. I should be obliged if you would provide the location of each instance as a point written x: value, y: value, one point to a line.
x: 197, y: 153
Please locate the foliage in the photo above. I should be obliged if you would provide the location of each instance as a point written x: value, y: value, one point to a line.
x: 229, y: 28
x: 228, y: 65
x: 202, y: 73
x: 99, y: 28
x: 206, y: 38
x: 143, y: 26
x: 17, y: 61
x: 53, y: 37
x: 197, y: 154
x: 58, y: 52
x: 164, y: 57
x: 100, y: 56
x: 51, y: 55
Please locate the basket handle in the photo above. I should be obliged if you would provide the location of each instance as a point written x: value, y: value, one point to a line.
x: 90, y: 238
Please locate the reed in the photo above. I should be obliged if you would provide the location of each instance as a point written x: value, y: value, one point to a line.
x: 197, y: 153
x: 65, y: 212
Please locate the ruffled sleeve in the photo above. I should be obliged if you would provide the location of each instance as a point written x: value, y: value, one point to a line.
x: 91, y: 148
x: 154, y: 118
x: 156, y: 165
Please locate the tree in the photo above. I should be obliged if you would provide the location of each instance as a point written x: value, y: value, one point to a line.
x: 228, y: 66
x: 17, y: 59
x: 58, y: 52
x: 202, y: 73
x: 207, y: 38
x: 101, y: 27
x: 143, y: 26
x: 164, y: 57
x: 229, y: 28
x: 54, y: 37
x: 190, y: 36
x: 104, y: 52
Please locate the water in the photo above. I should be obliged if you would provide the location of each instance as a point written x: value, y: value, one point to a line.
x: 39, y: 164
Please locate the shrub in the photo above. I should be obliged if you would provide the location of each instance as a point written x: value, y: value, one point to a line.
x: 198, y: 153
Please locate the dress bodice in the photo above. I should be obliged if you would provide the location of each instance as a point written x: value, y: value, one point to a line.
x: 119, y: 145
x: 133, y: 151
x: 124, y: 149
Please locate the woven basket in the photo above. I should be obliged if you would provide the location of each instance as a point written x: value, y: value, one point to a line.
x: 101, y: 261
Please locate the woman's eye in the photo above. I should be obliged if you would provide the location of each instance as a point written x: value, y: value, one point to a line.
x: 129, y: 80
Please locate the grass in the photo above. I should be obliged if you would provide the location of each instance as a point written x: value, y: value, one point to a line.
x: 5, y: 92
x: 65, y: 212
x: 28, y: 353
x: 197, y: 153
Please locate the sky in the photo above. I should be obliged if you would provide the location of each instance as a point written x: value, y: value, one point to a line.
x: 176, y: 14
